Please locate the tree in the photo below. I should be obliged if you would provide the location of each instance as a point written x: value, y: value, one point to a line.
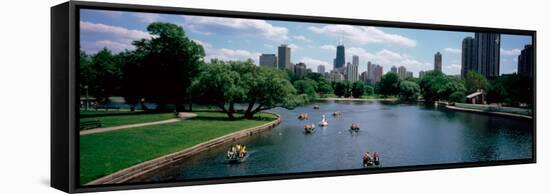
x: 457, y: 96
x: 342, y: 88
x: 226, y: 83
x: 432, y: 86
x: 324, y: 87
x: 307, y: 87
x: 358, y: 89
x: 453, y: 86
x: 475, y: 81
x: 169, y: 62
x: 105, y: 78
x: 389, y: 84
x: 369, y: 90
x: 408, y: 91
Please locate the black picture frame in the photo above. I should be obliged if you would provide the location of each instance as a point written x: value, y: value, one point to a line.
x: 64, y: 98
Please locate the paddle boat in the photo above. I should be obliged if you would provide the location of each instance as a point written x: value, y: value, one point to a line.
x: 323, y: 121
x: 354, y: 127
x: 371, y: 162
x: 337, y: 114
x: 316, y: 106
x: 303, y: 116
x: 309, y: 128
x: 236, y: 154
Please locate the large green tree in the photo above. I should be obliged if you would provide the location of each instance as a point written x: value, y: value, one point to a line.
x: 103, y: 75
x: 389, y: 84
x: 474, y: 81
x: 169, y: 62
x: 358, y: 89
x: 307, y: 87
x: 226, y: 83
x: 408, y: 91
x: 432, y: 86
x: 342, y: 88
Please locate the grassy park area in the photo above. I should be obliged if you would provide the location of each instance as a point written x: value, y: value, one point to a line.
x: 117, y: 118
x: 104, y: 153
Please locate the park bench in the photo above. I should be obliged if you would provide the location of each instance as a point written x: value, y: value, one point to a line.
x: 90, y: 124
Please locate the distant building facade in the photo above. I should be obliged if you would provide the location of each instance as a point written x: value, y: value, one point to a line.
x: 378, y: 72
x: 355, y: 60
x: 481, y: 54
x: 268, y: 60
x: 469, y: 60
x: 437, y: 62
x: 340, y: 59
x: 284, y: 57
x: 402, y: 72
x: 335, y: 75
x: 300, y: 70
x: 525, y: 61
x: 394, y: 69
x: 488, y: 54
x: 321, y: 69
x: 352, y: 72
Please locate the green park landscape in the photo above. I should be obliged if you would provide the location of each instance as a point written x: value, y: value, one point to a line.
x: 169, y: 71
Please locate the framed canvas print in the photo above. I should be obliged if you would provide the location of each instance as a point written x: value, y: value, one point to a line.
x: 148, y: 96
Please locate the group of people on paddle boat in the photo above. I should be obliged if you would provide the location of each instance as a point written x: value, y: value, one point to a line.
x: 309, y: 128
x: 303, y: 116
x: 236, y: 153
x: 337, y: 114
x: 354, y: 127
x: 371, y: 161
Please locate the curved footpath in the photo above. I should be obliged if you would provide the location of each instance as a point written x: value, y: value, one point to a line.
x: 143, y: 168
x: 489, y: 112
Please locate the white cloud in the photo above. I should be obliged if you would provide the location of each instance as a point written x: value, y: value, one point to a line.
x: 363, y: 35
x: 453, y: 50
x: 95, y: 46
x: 453, y: 66
x: 115, y: 31
x: 511, y: 52
x: 302, y: 38
x: 114, y: 38
x: 148, y: 17
x: 294, y: 47
x: 313, y: 62
x: 328, y: 47
x: 249, y: 26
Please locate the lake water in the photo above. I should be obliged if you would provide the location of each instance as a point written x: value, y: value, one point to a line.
x: 403, y: 134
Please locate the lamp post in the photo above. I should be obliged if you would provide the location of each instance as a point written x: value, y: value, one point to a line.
x: 87, y: 100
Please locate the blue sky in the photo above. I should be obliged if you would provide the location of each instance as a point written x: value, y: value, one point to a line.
x: 311, y: 43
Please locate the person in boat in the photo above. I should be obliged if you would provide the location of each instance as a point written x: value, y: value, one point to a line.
x: 367, y: 160
x: 242, y: 151
x: 376, y: 159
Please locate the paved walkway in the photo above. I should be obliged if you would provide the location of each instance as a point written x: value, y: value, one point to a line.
x: 181, y: 115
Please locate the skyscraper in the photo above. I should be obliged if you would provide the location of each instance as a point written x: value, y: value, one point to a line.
x: 268, y: 60
x: 469, y: 60
x: 321, y: 69
x: 378, y: 71
x: 370, y: 71
x: 340, y: 57
x: 355, y: 60
x: 488, y: 53
x: 351, y: 72
x: 300, y: 70
x: 437, y: 62
x: 402, y: 72
x: 525, y: 61
x: 394, y: 69
x: 284, y: 57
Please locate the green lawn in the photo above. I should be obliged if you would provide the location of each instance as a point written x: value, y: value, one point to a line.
x: 117, y: 120
x: 104, y: 153
x: 99, y: 112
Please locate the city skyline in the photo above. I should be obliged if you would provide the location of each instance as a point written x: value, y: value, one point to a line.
x: 310, y: 43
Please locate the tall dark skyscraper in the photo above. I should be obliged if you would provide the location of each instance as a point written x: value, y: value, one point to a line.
x: 525, y: 61
x: 340, y: 57
x: 469, y: 60
x: 284, y: 57
x: 481, y: 54
x: 488, y: 53
x: 437, y: 62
